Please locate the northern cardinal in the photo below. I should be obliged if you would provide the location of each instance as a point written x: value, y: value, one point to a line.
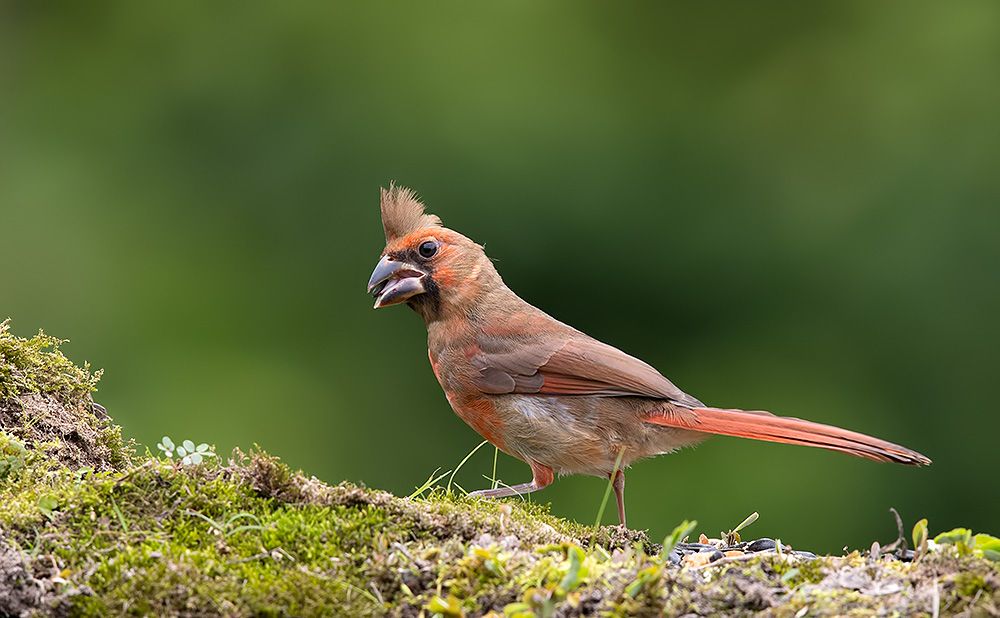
x: 544, y: 392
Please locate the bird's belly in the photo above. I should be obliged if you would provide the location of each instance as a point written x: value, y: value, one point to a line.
x: 583, y: 435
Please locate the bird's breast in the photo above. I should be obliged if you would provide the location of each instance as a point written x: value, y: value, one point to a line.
x: 476, y: 409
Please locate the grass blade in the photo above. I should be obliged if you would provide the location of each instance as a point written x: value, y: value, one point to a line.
x: 607, y: 493
x: 462, y: 463
x: 684, y: 529
x: 752, y: 517
x: 431, y: 480
x: 496, y: 453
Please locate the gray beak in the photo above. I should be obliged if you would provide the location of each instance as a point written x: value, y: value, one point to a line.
x: 395, y: 282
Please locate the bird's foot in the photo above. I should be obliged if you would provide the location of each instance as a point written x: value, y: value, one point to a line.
x: 505, y: 492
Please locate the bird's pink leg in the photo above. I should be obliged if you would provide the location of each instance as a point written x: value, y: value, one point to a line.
x: 541, y: 476
x: 619, y: 485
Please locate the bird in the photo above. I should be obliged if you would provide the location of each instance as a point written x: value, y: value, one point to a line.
x: 544, y: 392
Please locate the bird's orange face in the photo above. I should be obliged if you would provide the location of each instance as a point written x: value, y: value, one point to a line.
x: 428, y: 265
x: 406, y: 269
x: 435, y: 270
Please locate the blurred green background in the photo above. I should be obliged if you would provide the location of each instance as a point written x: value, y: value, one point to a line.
x: 788, y: 206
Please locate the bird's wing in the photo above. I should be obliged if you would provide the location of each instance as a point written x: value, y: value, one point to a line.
x: 568, y: 364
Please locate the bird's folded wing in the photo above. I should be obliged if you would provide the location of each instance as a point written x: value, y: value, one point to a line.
x: 572, y: 364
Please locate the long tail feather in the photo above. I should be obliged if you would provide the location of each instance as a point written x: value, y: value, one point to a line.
x: 764, y: 426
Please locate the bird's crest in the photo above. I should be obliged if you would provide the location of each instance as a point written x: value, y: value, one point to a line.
x: 403, y: 213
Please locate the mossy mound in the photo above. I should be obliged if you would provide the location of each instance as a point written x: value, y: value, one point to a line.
x: 92, y: 529
x: 46, y: 404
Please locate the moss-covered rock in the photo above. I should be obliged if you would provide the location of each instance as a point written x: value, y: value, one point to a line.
x: 88, y: 528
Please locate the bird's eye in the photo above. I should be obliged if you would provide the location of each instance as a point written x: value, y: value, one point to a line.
x: 427, y: 249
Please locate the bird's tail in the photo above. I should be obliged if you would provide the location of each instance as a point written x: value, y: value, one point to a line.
x: 770, y: 428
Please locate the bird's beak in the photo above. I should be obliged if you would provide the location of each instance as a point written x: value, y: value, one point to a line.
x: 395, y: 282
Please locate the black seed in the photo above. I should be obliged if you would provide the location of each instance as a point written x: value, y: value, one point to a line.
x: 760, y: 545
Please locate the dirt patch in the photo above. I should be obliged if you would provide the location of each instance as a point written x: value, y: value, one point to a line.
x: 73, y: 434
x: 28, y: 587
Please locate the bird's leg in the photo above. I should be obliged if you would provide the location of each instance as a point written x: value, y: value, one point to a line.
x: 505, y: 492
x: 619, y: 484
x: 541, y: 476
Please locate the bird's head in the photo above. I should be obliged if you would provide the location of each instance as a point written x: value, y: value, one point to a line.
x: 433, y: 269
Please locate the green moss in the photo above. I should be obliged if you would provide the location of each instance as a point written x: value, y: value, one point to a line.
x: 47, y: 406
x: 969, y: 584
x: 37, y: 365
x: 95, y: 532
x: 250, y: 537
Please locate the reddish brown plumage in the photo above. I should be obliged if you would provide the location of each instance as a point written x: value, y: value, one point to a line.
x: 769, y: 428
x: 543, y: 391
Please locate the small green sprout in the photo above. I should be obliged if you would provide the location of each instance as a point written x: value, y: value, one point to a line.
x: 12, y: 455
x: 789, y: 575
x: 987, y: 545
x: 576, y: 570
x: 964, y: 542
x: 920, y: 538
x: 960, y: 538
x: 645, y: 577
x: 518, y: 610
x: 439, y: 606
x: 189, y: 454
x: 681, y: 532
x: 733, y: 536
x: 47, y: 505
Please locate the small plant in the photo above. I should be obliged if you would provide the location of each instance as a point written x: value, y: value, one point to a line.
x: 558, y: 585
x: 47, y: 505
x: 450, y: 606
x: 189, y: 454
x: 733, y: 536
x: 12, y: 455
x: 428, y: 484
x: 681, y: 532
x: 433, y: 479
x: 576, y: 570
x: 967, y: 544
x: 920, y: 538
x: 644, y: 579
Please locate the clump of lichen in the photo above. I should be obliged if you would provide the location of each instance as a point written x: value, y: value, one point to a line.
x: 249, y: 537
